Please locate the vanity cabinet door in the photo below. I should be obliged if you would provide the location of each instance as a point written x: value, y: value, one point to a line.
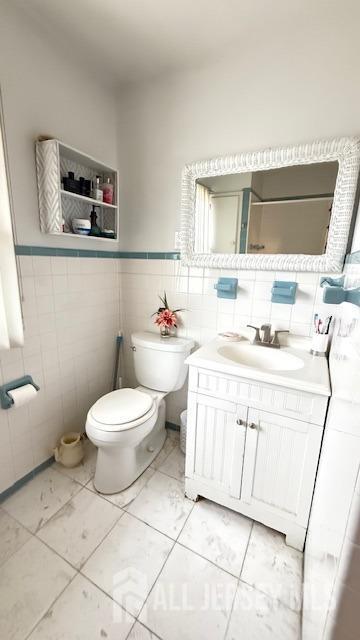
x: 280, y: 462
x: 215, y: 442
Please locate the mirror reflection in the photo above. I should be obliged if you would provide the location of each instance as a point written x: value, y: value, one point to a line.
x: 277, y: 211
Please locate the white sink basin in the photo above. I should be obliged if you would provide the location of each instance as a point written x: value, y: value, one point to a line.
x: 264, y: 358
x: 291, y: 366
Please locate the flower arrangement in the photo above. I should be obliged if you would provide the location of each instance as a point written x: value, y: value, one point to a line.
x: 165, y: 317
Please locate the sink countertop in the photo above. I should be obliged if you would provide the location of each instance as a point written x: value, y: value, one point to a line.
x: 312, y: 377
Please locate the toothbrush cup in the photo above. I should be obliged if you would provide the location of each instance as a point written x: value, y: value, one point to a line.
x: 319, y: 344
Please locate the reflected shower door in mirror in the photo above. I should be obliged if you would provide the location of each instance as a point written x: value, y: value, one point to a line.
x: 276, y: 211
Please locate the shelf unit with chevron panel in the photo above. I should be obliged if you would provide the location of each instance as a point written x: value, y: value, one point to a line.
x: 57, y: 206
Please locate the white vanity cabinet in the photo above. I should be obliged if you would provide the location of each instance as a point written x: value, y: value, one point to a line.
x: 254, y: 447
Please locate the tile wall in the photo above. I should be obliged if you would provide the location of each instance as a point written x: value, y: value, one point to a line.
x: 71, y: 317
x: 205, y: 314
x: 332, y: 552
x: 72, y: 314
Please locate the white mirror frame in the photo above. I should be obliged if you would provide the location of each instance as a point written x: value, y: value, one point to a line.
x: 346, y: 151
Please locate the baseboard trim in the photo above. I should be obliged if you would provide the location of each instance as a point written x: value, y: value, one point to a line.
x: 47, y: 463
x: 172, y: 426
x: 29, y: 476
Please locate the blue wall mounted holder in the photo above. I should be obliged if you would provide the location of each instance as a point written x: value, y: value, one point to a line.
x: 335, y: 292
x: 227, y: 288
x: 5, y: 400
x: 283, y: 292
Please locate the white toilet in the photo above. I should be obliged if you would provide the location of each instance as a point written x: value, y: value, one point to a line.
x: 128, y: 425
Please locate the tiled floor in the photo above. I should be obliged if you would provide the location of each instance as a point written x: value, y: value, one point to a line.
x: 141, y: 565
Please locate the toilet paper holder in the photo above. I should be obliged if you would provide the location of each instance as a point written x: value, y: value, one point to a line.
x: 5, y: 400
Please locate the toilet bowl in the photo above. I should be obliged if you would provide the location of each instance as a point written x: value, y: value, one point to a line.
x: 128, y: 425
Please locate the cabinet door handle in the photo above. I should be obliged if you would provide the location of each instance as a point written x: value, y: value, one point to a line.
x: 252, y: 425
x: 240, y: 422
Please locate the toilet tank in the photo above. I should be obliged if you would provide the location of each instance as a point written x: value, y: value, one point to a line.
x: 160, y: 362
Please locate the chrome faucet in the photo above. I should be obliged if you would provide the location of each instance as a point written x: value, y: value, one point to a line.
x: 267, y: 340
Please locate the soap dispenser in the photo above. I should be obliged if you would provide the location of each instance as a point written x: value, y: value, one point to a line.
x: 95, y: 229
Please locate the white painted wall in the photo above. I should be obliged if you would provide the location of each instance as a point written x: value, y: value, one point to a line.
x: 43, y: 93
x: 70, y: 329
x: 270, y: 96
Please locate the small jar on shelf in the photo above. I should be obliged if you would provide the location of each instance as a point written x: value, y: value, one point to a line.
x: 108, y: 191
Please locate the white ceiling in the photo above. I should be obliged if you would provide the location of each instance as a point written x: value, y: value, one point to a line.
x: 130, y: 40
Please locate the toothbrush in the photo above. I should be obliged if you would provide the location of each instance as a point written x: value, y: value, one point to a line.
x: 328, y: 325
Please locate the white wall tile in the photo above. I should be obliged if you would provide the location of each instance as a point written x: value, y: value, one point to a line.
x: 195, y: 285
x: 71, y: 324
x: 262, y: 290
x: 43, y: 285
x: 302, y: 313
x: 26, y: 265
x: 265, y: 276
x: 41, y: 265
x: 60, y: 333
x: 59, y: 265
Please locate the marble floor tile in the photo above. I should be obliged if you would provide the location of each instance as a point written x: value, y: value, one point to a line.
x: 79, y: 526
x: 173, y: 435
x: 273, y: 567
x: 12, y: 536
x: 39, y: 499
x: 85, y: 470
x: 174, y: 465
x: 256, y: 617
x: 128, y: 561
x: 139, y: 632
x: 30, y: 581
x: 218, y: 534
x: 162, y: 505
x: 83, y: 612
x: 192, y: 599
x: 124, y: 498
x: 168, y: 446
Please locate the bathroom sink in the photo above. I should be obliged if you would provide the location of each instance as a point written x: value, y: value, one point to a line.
x: 264, y: 358
x: 290, y: 366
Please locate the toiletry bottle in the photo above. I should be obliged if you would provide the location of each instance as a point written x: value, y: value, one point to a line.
x: 97, y: 194
x: 108, y: 191
x: 70, y: 184
x: 95, y: 229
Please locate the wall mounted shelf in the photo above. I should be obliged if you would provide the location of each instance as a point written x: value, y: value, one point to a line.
x: 295, y: 199
x: 58, y: 206
x: 77, y: 196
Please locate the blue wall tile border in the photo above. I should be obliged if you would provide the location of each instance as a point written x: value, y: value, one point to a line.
x: 30, y: 250
x: 29, y: 476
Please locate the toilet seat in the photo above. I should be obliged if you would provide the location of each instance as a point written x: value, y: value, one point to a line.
x: 122, y: 409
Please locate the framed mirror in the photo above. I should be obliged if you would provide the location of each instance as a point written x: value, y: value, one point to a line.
x: 288, y: 208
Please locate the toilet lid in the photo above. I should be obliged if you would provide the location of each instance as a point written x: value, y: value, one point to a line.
x: 121, y: 406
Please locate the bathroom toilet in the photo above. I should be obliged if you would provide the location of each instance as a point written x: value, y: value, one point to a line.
x: 128, y: 425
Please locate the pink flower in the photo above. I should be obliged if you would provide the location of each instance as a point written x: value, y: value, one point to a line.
x: 166, y: 318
